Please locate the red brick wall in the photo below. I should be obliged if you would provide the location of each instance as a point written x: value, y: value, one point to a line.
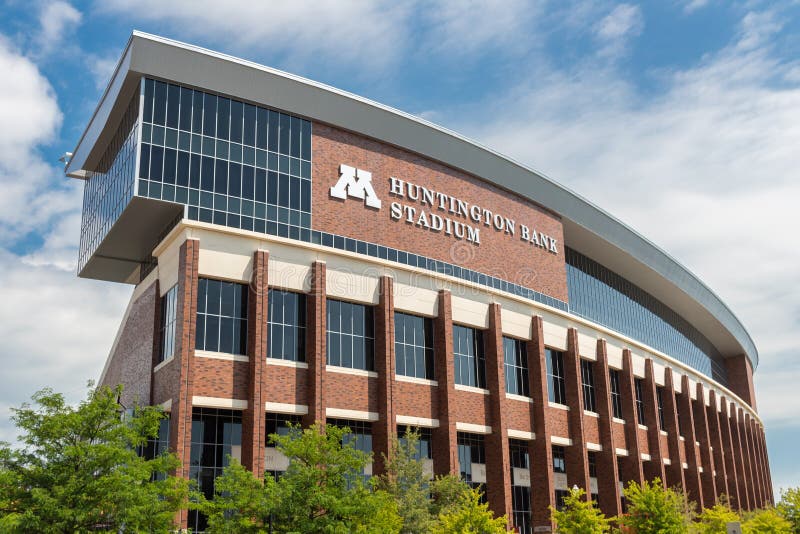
x: 498, y: 254
x: 131, y: 363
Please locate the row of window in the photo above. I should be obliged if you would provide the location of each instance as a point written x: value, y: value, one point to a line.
x: 222, y: 327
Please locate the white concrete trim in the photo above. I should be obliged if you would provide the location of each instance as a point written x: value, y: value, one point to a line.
x: 621, y: 452
x: 280, y: 407
x: 349, y: 371
x: 618, y: 420
x: 663, y: 432
x: 166, y: 405
x: 558, y: 406
x: 558, y: 440
x: 646, y: 457
x: 473, y: 428
x: 685, y: 465
x: 681, y: 438
x: 415, y: 380
x: 219, y: 402
x: 287, y: 363
x: 591, y: 414
x: 422, y: 422
x: 521, y: 434
x: 163, y: 364
x: 471, y: 389
x: 643, y: 427
x: 667, y: 461
x: 221, y: 356
x: 521, y: 398
x: 355, y: 415
x: 593, y: 446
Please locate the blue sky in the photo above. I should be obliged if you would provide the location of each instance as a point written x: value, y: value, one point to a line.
x: 680, y: 117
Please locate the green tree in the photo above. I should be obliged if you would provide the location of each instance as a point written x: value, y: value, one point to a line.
x: 406, y: 481
x: 79, y: 469
x: 767, y: 521
x: 654, y: 509
x: 322, y: 491
x: 789, y: 507
x: 714, y: 520
x: 579, y: 516
x: 470, y: 516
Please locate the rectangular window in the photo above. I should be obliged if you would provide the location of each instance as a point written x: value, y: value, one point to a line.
x: 413, y: 346
x: 287, y: 325
x: 560, y: 496
x: 516, y: 366
x: 591, y: 457
x: 616, y: 394
x: 351, y: 338
x: 360, y: 436
x: 678, y: 413
x: 639, y: 387
x: 470, y: 364
x: 660, y: 400
x: 169, y: 314
x: 587, y: 382
x: 520, y: 485
x: 277, y: 423
x: 559, y: 459
x: 424, y: 450
x: 221, y: 316
x: 472, y: 459
x: 556, y: 388
x: 216, y: 437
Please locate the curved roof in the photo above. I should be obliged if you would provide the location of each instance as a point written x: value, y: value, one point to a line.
x: 587, y: 228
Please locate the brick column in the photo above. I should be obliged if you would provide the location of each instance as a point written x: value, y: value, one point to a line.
x: 765, y: 452
x: 385, y: 427
x: 731, y: 466
x: 445, y: 455
x: 692, y: 473
x: 738, y: 456
x: 718, y: 452
x: 541, y: 452
x: 156, y: 337
x: 749, y: 478
x: 704, y: 438
x: 655, y: 467
x: 759, y: 461
x: 575, y: 456
x: 630, y: 466
x: 498, y: 461
x: 316, y: 332
x: 767, y: 481
x: 253, y: 418
x: 180, y: 424
x: 754, y: 464
x: 675, y: 469
x: 740, y: 378
x: 607, y: 468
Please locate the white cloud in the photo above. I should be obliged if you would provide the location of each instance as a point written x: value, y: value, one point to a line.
x: 56, y: 20
x: 690, y: 6
x: 349, y: 31
x: 617, y: 28
x: 102, y: 67
x: 707, y: 169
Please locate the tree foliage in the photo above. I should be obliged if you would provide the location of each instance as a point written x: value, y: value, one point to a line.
x: 714, y: 520
x: 321, y: 491
x: 654, y: 509
x: 469, y: 516
x: 79, y: 470
x: 789, y: 507
x: 579, y: 516
x: 767, y: 521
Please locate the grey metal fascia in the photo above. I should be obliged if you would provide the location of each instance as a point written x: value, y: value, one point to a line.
x: 195, y: 66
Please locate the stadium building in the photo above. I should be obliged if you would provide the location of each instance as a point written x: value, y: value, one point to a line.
x: 302, y: 254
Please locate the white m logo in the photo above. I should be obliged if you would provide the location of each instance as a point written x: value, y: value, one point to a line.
x: 356, y: 183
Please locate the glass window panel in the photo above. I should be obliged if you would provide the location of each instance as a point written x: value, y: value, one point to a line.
x: 173, y: 105
x: 237, y: 110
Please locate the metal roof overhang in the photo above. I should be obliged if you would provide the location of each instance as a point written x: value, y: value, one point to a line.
x: 587, y: 228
